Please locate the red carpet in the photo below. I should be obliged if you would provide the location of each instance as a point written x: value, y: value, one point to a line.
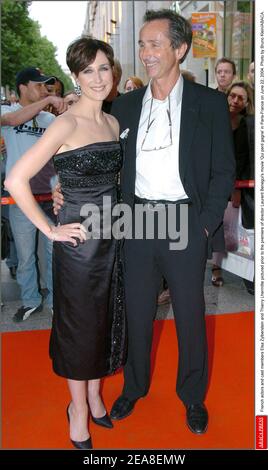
x: 34, y: 399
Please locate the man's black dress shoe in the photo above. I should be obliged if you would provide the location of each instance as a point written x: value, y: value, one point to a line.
x: 104, y: 421
x: 81, y: 445
x: 122, y: 408
x: 197, y: 418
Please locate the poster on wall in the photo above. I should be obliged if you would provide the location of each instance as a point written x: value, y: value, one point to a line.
x: 204, y: 35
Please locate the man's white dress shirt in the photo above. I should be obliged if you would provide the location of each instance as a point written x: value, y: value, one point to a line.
x: 157, y: 171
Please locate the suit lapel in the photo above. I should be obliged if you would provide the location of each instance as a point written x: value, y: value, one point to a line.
x: 132, y: 117
x: 135, y: 113
x: 189, y: 120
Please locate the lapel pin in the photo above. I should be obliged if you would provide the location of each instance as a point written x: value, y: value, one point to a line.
x: 124, y: 134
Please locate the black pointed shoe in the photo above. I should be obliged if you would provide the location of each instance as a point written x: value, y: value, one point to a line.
x: 197, y: 418
x: 81, y: 445
x: 122, y: 408
x: 104, y: 421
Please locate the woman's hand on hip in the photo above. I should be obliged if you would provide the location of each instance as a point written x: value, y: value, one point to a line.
x: 68, y: 233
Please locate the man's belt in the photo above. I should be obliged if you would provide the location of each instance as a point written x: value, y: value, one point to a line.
x: 156, y: 202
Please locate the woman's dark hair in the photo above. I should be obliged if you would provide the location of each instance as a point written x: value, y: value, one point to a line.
x: 180, y: 30
x: 62, y: 86
x: 83, y: 51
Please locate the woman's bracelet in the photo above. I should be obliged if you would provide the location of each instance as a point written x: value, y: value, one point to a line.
x: 52, y: 233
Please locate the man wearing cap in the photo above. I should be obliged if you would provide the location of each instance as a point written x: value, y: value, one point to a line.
x: 22, y: 125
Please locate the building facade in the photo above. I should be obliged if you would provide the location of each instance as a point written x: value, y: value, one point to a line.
x: 234, y: 36
x: 119, y: 22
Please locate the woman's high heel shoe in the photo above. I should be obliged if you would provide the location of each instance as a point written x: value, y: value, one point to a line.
x: 82, y: 445
x: 104, y: 421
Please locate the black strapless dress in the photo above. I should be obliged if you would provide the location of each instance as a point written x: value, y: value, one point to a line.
x: 88, y: 329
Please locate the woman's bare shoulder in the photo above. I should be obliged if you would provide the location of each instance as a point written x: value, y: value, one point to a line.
x: 60, y: 130
x: 113, y: 123
x: 66, y: 120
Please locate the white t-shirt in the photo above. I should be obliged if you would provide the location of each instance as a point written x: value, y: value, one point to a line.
x: 19, y: 139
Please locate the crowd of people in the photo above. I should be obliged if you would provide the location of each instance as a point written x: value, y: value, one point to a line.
x: 182, y: 145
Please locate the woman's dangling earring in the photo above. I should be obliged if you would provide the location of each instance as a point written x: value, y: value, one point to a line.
x: 78, y: 89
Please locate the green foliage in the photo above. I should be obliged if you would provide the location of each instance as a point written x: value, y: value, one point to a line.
x: 243, y: 6
x: 23, y: 46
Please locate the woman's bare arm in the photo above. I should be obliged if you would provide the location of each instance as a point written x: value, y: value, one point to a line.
x: 17, y: 182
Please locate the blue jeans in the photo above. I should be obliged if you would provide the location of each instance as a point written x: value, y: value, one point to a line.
x: 12, y: 260
x: 24, y: 233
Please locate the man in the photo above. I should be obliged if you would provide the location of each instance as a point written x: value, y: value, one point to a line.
x: 13, y: 98
x: 22, y: 125
x: 179, y: 150
x: 225, y: 72
x: 198, y: 167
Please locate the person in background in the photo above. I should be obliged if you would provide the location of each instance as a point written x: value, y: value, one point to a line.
x: 188, y: 75
x: 12, y: 259
x: 132, y: 83
x: 22, y: 126
x: 241, y: 108
x: 225, y: 73
x: 251, y: 75
x: 53, y: 89
x: 56, y: 89
x: 114, y: 93
x: 70, y: 98
x: 13, y: 99
x: 248, y: 194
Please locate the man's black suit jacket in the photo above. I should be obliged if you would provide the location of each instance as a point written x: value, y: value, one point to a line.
x: 205, y: 157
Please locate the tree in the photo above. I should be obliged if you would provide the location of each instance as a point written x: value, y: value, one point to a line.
x: 23, y: 46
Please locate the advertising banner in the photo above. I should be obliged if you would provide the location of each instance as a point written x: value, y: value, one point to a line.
x: 204, y: 35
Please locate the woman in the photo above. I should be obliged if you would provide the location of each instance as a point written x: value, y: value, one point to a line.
x: 87, y: 337
x: 55, y: 89
x: 132, y: 83
x: 240, y: 100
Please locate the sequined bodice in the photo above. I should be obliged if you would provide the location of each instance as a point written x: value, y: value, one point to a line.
x: 97, y: 163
